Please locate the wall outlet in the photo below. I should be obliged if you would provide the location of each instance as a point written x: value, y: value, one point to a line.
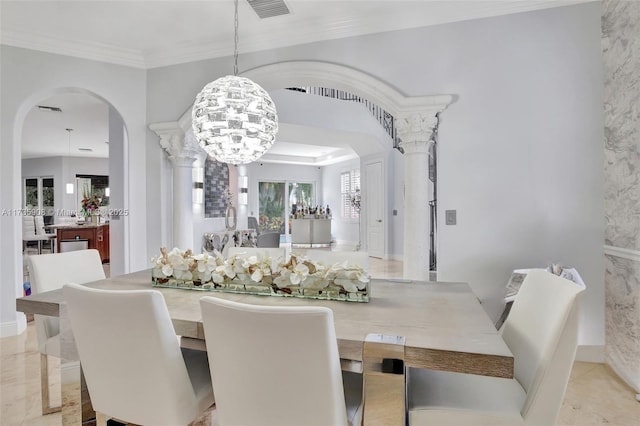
x: 450, y: 217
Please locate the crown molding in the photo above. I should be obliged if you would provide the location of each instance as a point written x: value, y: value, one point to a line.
x: 305, y: 32
x: 338, y: 30
x: 78, y: 49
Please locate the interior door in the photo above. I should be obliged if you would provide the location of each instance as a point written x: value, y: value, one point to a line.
x: 374, y: 192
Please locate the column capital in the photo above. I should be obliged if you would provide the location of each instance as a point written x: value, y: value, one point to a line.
x: 183, y: 148
x: 416, y: 127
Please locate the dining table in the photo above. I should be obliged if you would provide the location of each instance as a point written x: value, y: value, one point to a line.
x: 406, y: 324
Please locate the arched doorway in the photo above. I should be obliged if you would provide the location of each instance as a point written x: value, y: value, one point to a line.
x: 416, y: 120
x: 106, y: 124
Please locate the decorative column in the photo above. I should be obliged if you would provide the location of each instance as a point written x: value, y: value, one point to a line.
x: 183, y: 150
x: 415, y: 130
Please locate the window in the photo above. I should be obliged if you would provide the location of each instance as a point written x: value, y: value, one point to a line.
x: 271, y: 206
x: 279, y: 201
x: 31, y: 194
x: 350, y: 189
x: 39, y: 194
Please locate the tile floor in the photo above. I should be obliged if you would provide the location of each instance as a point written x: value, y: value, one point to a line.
x: 595, y: 395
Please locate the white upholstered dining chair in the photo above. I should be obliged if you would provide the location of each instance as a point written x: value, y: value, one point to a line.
x: 32, y: 233
x: 278, y: 365
x: 541, y: 332
x: 42, y: 233
x: 50, y: 272
x: 133, y: 365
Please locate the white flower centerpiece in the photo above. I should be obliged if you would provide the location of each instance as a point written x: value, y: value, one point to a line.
x: 299, y: 276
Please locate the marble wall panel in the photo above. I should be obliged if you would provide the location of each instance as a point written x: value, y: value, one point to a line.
x: 621, y: 54
x: 622, y: 323
x: 621, y: 58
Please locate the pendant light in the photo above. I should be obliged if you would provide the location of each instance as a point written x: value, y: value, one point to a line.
x: 234, y: 119
x: 69, y: 185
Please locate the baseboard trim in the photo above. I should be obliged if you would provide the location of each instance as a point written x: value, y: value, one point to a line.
x: 590, y: 353
x: 13, y: 328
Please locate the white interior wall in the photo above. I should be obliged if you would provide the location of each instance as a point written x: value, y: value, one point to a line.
x: 27, y: 77
x: 520, y: 154
x: 527, y: 124
x: 123, y: 188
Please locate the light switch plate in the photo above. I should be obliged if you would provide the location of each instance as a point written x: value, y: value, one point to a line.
x: 450, y: 217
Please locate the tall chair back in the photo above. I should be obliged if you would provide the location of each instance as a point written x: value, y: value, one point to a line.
x: 276, y: 365
x: 49, y: 272
x: 542, y: 333
x: 132, y: 362
x: 28, y: 227
x: 39, y: 225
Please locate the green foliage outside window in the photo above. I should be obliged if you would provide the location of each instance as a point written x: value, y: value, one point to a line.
x: 271, y: 206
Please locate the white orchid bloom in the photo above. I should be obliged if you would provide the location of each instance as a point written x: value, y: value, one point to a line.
x: 315, y: 283
x: 167, y: 270
x: 217, y: 278
x: 226, y: 269
x: 182, y: 273
x: 283, y: 279
x: 363, y: 277
x: 347, y: 284
x: 248, y: 261
x: 257, y: 275
x: 299, y: 273
x: 206, y: 265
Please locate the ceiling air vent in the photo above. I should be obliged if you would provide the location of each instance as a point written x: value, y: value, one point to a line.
x: 50, y: 108
x: 269, y: 8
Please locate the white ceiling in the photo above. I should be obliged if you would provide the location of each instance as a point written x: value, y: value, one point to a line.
x: 44, y: 133
x: 148, y: 34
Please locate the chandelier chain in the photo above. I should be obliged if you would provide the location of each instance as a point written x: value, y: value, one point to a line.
x: 235, y: 40
x: 69, y: 132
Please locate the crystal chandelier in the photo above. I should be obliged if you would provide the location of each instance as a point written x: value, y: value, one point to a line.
x: 234, y: 119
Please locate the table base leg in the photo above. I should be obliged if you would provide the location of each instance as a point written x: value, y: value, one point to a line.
x: 76, y: 403
x: 384, y: 380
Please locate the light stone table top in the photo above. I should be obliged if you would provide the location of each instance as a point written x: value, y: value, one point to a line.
x: 444, y: 325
